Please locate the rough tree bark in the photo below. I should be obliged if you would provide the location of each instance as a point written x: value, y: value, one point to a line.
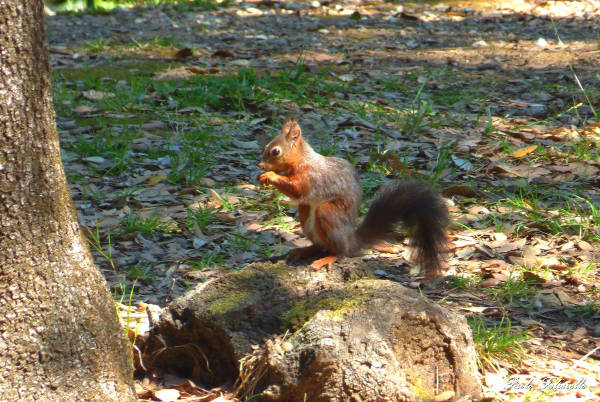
x: 60, y: 338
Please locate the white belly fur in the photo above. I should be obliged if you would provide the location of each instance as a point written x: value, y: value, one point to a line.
x: 309, y: 226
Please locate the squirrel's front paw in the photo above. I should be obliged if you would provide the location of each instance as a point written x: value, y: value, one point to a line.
x: 267, y: 177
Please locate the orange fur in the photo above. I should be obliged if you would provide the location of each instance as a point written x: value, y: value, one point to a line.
x: 323, y: 262
x: 329, y: 216
x: 301, y: 253
x: 329, y: 195
x: 303, y: 211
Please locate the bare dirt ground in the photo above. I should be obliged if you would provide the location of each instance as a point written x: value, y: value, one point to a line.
x: 494, y: 102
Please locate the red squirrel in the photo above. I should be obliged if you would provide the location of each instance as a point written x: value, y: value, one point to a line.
x: 329, y: 194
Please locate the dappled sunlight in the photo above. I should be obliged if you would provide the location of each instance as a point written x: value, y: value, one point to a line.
x: 163, y: 113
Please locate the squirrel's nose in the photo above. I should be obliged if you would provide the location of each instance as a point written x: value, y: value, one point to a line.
x: 261, y: 165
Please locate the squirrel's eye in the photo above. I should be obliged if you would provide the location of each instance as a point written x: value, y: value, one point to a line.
x: 276, y: 151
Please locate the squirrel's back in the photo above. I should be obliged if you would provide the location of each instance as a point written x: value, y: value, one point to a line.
x: 333, y: 178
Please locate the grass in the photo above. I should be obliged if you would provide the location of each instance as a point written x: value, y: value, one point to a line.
x: 115, y: 149
x: 103, y: 6
x: 499, y: 342
x: 208, y: 260
x: 199, y: 218
x: 442, y: 165
x: 247, y: 90
x: 514, y: 291
x: 585, y: 311
x: 463, y: 282
x: 140, y: 273
x: 207, y: 117
x: 146, y: 226
x: 190, y: 159
x: 416, y: 118
x: 95, y: 240
x: 572, y: 214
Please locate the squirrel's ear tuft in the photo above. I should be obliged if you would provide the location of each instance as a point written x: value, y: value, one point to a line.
x: 292, y: 130
x: 286, y: 127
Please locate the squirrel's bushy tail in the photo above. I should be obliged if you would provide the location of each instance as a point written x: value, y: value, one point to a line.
x: 422, y: 212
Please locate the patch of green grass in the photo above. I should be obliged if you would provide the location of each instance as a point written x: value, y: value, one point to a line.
x: 193, y: 154
x: 103, y: 6
x: 125, y: 193
x: 514, y: 291
x: 162, y: 41
x: 95, y: 239
x: 498, y: 342
x: 279, y: 222
x: 135, y: 71
x: 584, y: 150
x: 145, y: 226
x: 208, y: 260
x: 243, y: 242
x: 93, y: 193
x: 140, y: 273
x: 96, y: 46
x: 497, y: 221
x: 463, y: 282
x: 559, y: 213
x: 392, y: 84
x: 247, y: 90
x: 273, y: 202
x: 581, y: 312
x: 489, y: 125
x: 114, y: 147
x: 189, y: 166
x: 415, y: 119
x: 203, y: 5
x: 443, y: 165
x: 448, y: 98
x: 200, y: 217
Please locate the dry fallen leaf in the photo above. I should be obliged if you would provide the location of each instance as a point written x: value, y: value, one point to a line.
x: 464, y: 191
x: 183, y: 53
x: 84, y: 109
x: 155, y: 179
x: 223, y: 53
x: 585, y: 246
x: 579, y: 334
x: 179, y: 73
x: 524, y: 151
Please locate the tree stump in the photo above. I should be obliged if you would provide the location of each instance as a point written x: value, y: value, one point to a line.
x: 327, y: 336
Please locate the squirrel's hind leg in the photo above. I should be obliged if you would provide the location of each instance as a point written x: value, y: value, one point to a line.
x: 301, y: 253
x: 334, y: 225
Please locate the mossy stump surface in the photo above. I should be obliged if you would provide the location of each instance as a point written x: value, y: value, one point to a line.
x: 299, y: 335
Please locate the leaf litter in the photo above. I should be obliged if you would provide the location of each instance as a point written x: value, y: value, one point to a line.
x: 479, y: 98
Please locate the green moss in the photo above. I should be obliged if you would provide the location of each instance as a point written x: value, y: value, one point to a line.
x: 419, y: 388
x: 303, y: 311
x: 278, y: 269
x: 258, y: 274
x: 227, y: 303
x: 121, y: 69
x: 239, y: 286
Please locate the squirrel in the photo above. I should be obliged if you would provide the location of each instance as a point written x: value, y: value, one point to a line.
x: 329, y: 194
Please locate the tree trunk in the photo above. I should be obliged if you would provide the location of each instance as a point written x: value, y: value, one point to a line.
x: 60, y: 338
